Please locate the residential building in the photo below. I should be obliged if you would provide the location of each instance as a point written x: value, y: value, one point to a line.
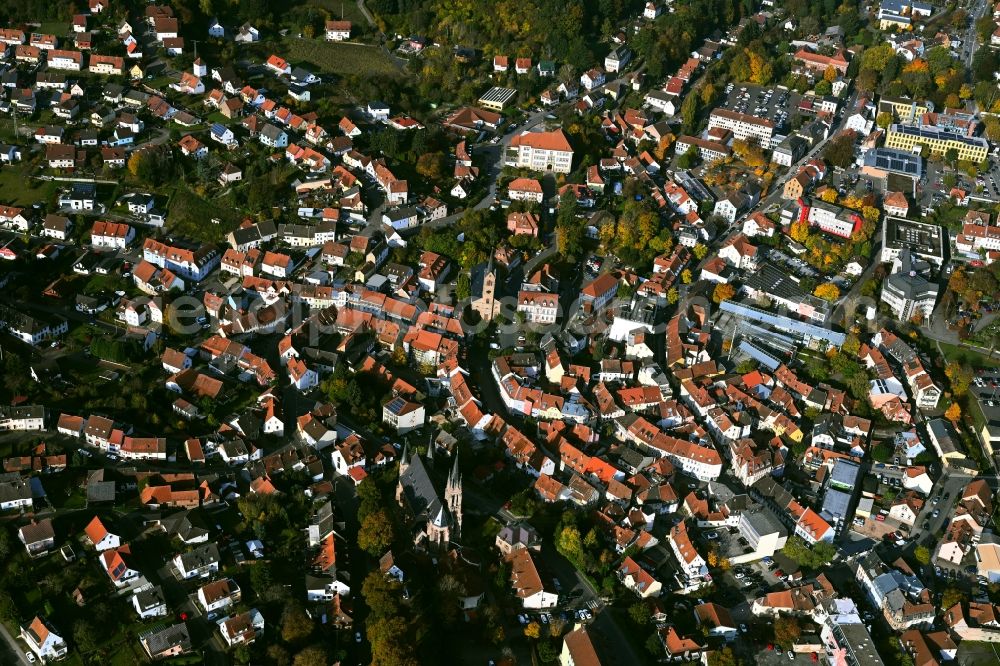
x: 43, y: 641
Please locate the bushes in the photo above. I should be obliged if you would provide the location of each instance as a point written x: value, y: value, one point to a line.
x: 116, y: 351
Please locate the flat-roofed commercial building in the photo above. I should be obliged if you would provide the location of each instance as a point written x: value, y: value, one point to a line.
x: 496, y: 98
x: 921, y: 239
x: 908, y: 137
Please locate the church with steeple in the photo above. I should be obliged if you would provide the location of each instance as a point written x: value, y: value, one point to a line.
x: 436, y: 522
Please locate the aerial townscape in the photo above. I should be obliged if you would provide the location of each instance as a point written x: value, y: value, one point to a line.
x: 515, y: 333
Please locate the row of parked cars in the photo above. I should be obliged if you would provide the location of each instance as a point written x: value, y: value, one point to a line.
x: 582, y: 615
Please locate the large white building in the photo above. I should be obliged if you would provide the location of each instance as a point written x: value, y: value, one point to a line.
x: 541, y: 151
x: 538, y: 307
x: 907, y: 293
x: 832, y: 219
x: 743, y: 126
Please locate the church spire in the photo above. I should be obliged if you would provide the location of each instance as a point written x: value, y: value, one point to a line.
x: 455, y: 476
x: 453, y: 498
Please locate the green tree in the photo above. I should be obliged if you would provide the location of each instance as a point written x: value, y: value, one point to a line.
x: 314, y: 655
x: 786, y: 630
x: 570, y: 545
x: 85, y: 636
x: 723, y: 657
x: 950, y: 597
x: 375, y: 533
x: 922, y: 555
x: 382, y: 595
x: 883, y: 119
x: 688, y: 158
x: 820, y: 554
x: 839, y: 151
x: 463, y: 287
x: 640, y: 613
x: 296, y: 625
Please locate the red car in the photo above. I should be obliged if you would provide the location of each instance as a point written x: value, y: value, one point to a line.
x: 779, y: 573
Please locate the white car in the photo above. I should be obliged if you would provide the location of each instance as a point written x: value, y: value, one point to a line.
x: 738, y: 574
x: 357, y: 636
x: 30, y: 656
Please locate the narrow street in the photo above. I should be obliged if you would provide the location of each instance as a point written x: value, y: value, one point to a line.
x: 10, y: 651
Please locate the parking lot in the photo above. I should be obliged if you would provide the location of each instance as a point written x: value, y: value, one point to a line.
x: 774, y: 103
x: 934, y: 189
x: 780, y: 656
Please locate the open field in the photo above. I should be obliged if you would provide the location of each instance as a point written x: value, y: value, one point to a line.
x: 20, y: 190
x: 345, y: 10
x: 337, y: 58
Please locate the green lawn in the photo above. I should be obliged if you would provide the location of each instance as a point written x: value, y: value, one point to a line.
x: 336, y: 58
x: 966, y: 356
x: 19, y: 189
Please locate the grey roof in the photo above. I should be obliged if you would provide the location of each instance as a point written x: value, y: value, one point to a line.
x: 911, y: 287
x: 845, y: 472
x: 180, y: 524
x: 200, y: 557
x: 271, y: 132
x: 162, y: 638
x: 769, y: 279
x: 943, y: 435
x: 764, y: 522
x: 14, y: 490
x: 149, y: 597
x: 835, y: 504
x: 419, y: 491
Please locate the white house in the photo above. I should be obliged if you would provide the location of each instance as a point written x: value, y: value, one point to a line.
x: 100, y: 537
x: 402, y: 414
x: 216, y: 29
x: 273, y: 137
x: 243, y: 628
x: 118, y: 570
x: 149, y: 602
x: 219, y: 594
x: 378, y: 111
x: 43, y: 640
x: 303, y: 377
x: 338, y: 31
x: 202, y: 561
x: 527, y: 583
